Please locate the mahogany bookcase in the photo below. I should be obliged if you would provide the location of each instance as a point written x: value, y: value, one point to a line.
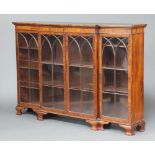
x: 88, y: 71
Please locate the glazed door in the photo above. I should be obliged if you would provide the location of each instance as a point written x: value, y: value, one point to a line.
x: 28, y: 78
x: 114, y: 77
x: 52, y: 63
x: 81, y: 74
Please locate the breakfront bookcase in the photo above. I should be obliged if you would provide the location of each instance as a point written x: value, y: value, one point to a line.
x: 88, y: 71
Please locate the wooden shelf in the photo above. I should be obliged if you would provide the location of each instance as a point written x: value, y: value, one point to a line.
x: 81, y: 89
x: 25, y: 48
x: 28, y: 81
x: 53, y: 84
x: 116, y: 45
x: 109, y: 88
x: 113, y: 89
x: 80, y: 66
x: 116, y: 93
x: 52, y: 63
x: 29, y: 68
x: 29, y: 87
x: 115, y: 68
x: 121, y: 90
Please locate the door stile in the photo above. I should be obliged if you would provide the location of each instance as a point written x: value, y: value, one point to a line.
x: 17, y: 65
x: 66, y: 72
x: 100, y: 77
x: 40, y: 68
x: 96, y: 61
x: 65, y: 49
x: 130, y: 79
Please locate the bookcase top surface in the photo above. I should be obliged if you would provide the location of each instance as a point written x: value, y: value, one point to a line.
x: 90, y: 25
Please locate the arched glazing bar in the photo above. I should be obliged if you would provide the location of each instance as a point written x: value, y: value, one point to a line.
x: 110, y: 43
x: 113, y: 45
x: 117, y: 48
x: 74, y: 40
x: 28, y: 41
x: 52, y: 45
x: 74, y: 51
x: 87, y: 51
x: 57, y: 39
x: 121, y: 53
x: 33, y: 43
x: 80, y: 46
x: 33, y: 47
x: 44, y: 41
x: 57, y: 48
x: 25, y: 40
x: 108, y: 53
x: 86, y: 40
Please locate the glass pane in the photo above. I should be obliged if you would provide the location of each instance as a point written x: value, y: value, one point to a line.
x: 87, y: 78
x: 121, y: 81
x: 87, y: 102
x: 24, y: 64
x: 24, y: 94
x: 52, y: 49
x: 74, y: 77
x: 80, y: 50
x: 28, y: 64
x: 58, y: 75
x: 29, y: 85
x: 114, y: 41
x: 23, y: 54
x: 108, y: 80
x: 74, y: 51
x: 34, y: 85
x: 33, y: 43
x: 23, y: 40
x: 115, y: 105
x: 24, y: 84
x: 121, y: 58
x: 87, y: 51
x: 33, y: 55
x: 24, y: 74
x: 46, y: 48
x: 75, y: 101
x: 108, y: 57
x: 34, y: 75
x: 108, y: 104
x: 58, y: 51
x: 122, y: 106
x: 48, y: 94
x: 47, y: 74
x: 53, y: 97
x: 34, y: 95
x: 59, y: 98
x: 33, y: 65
